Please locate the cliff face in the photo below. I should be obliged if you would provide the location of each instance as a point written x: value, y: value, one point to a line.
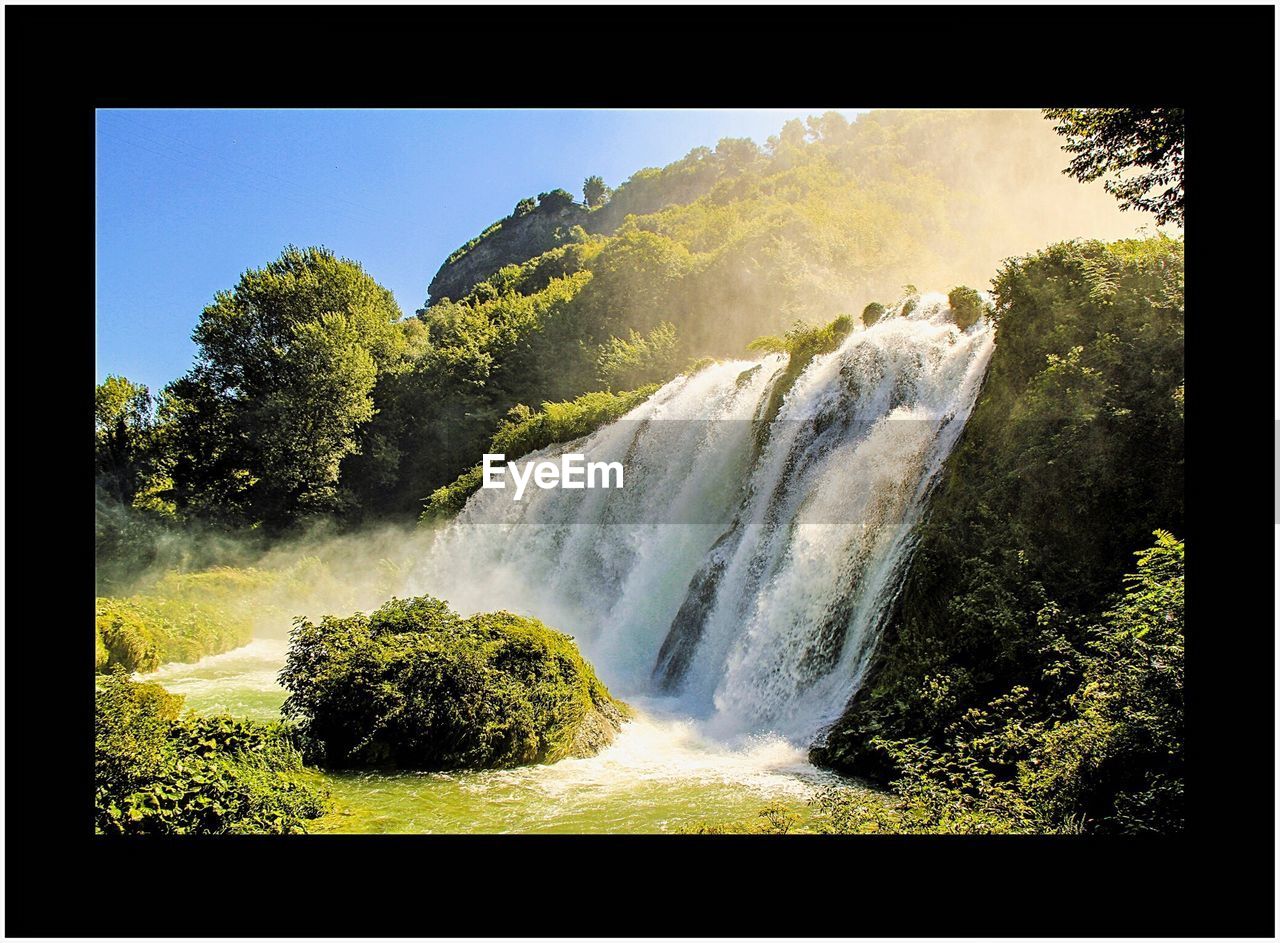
x: 511, y: 241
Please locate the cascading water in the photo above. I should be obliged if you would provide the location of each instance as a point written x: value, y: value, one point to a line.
x: 731, y: 591
x: 743, y: 572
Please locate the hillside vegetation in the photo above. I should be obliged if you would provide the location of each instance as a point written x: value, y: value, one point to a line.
x: 314, y: 397
x: 1072, y: 457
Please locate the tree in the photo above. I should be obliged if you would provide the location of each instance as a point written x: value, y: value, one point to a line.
x: 282, y: 382
x: 595, y: 192
x: 525, y: 207
x: 1139, y: 149
x: 554, y: 200
x: 736, y: 154
x: 128, y: 433
x: 624, y: 364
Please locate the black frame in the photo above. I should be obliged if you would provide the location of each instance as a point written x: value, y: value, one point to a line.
x: 64, y: 62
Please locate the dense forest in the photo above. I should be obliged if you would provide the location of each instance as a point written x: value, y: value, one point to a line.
x: 1028, y: 676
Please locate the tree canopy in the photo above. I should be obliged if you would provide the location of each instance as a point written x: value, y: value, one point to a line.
x: 594, y: 191
x: 283, y: 380
x: 1139, y: 150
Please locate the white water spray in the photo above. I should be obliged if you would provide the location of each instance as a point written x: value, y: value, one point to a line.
x: 747, y: 581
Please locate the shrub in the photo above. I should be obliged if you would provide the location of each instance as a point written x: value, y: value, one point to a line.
x: 158, y: 774
x: 801, y: 344
x: 872, y: 313
x: 1106, y: 756
x: 558, y: 199
x: 416, y: 686
x: 966, y: 306
x: 525, y: 431
x: 140, y: 633
x: 639, y: 359
x: 1118, y: 763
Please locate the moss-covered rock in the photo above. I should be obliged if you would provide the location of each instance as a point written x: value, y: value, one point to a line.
x: 416, y: 686
x: 967, y: 306
x: 872, y: 313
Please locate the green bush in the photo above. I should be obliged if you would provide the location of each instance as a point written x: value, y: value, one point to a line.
x: 525, y: 431
x: 558, y: 199
x: 1106, y: 756
x: 967, y: 306
x: 1118, y: 763
x: 140, y: 633
x: 801, y: 344
x: 158, y: 774
x: 872, y: 313
x: 416, y: 686
x: 639, y: 359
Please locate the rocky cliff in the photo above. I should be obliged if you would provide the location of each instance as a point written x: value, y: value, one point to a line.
x: 513, y: 240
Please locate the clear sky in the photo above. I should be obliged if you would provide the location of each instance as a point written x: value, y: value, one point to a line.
x: 187, y: 200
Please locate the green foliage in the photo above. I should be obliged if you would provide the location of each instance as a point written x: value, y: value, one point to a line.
x: 771, y: 820
x: 131, y: 433
x: 1106, y: 757
x: 1072, y: 455
x: 184, y: 615
x: 872, y: 313
x: 627, y: 364
x: 525, y: 431
x: 555, y: 200
x: 768, y: 344
x: 139, y: 633
x: 1119, y: 761
x: 525, y: 207
x: 935, y: 794
x: 594, y: 192
x: 416, y: 686
x: 158, y: 774
x: 1117, y: 143
x: 635, y: 278
x: 312, y: 398
x: 801, y: 344
x: 283, y: 380
x: 449, y: 499
x: 967, y: 306
x: 723, y: 245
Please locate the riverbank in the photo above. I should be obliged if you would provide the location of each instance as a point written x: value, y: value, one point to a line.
x: 662, y: 774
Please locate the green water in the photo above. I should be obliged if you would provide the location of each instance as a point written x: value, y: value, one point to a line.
x: 661, y: 774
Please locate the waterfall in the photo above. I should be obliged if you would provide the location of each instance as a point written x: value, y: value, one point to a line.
x: 744, y: 571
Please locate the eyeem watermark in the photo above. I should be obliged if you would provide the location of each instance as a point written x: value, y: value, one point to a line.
x: 571, y: 471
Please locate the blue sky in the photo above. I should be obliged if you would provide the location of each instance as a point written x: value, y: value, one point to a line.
x: 187, y: 200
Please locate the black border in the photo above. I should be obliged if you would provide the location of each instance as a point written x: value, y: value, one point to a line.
x: 63, y: 62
